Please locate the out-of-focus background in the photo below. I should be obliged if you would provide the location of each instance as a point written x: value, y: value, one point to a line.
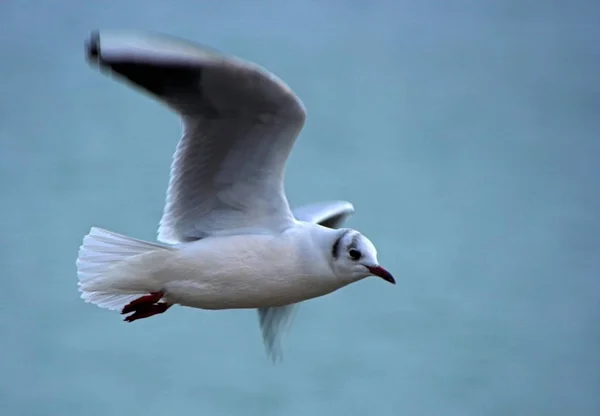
x: 465, y: 133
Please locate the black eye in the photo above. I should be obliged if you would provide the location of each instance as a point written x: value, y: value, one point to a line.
x: 354, y: 254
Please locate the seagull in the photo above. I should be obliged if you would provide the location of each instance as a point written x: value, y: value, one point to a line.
x: 228, y: 238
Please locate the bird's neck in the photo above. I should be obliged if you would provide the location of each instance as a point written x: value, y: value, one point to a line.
x: 319, y: 241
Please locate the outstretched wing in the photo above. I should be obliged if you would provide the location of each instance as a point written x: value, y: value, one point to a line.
x: 275, y: 321
x: 239, y: 125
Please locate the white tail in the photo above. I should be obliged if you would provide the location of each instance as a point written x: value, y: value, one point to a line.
x: 99, y: 257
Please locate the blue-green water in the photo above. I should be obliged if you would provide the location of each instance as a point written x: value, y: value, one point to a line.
x: 465, y: 133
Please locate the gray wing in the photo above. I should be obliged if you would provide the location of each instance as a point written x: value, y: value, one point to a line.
x: 274, y: 322
x: 239, y: 125
x: 330, y: 214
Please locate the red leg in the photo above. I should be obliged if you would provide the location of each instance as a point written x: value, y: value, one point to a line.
x: 150, y: 299
x: 148, y: 310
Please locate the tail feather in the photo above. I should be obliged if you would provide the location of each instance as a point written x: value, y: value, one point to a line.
x: 101, y: 254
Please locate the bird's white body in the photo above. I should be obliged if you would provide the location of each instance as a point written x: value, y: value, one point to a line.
x: 224, y: 272
x: 228, y: 237
x: 250, y: 271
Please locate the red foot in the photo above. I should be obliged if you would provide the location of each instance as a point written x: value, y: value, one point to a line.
x: 145, y: 306
x: 153, y: 297
x: 147, y: 311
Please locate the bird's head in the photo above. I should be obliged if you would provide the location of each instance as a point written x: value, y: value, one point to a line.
x: 354, y: 257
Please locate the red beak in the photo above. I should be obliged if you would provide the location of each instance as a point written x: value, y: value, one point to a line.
x: 383, y: 273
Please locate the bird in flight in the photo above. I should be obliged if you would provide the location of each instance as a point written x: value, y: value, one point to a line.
x: 228, y: 238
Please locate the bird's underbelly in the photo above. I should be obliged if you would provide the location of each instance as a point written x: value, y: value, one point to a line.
x: 235, y: 293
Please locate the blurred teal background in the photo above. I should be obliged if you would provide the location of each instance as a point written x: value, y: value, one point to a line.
x: 465, y: 133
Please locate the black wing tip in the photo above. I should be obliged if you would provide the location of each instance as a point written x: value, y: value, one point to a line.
x: 92, y: 47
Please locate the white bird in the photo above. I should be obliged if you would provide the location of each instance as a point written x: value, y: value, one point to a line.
x: 228, y: 238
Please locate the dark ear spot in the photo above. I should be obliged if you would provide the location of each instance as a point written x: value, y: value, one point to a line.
x: 335, y: 249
